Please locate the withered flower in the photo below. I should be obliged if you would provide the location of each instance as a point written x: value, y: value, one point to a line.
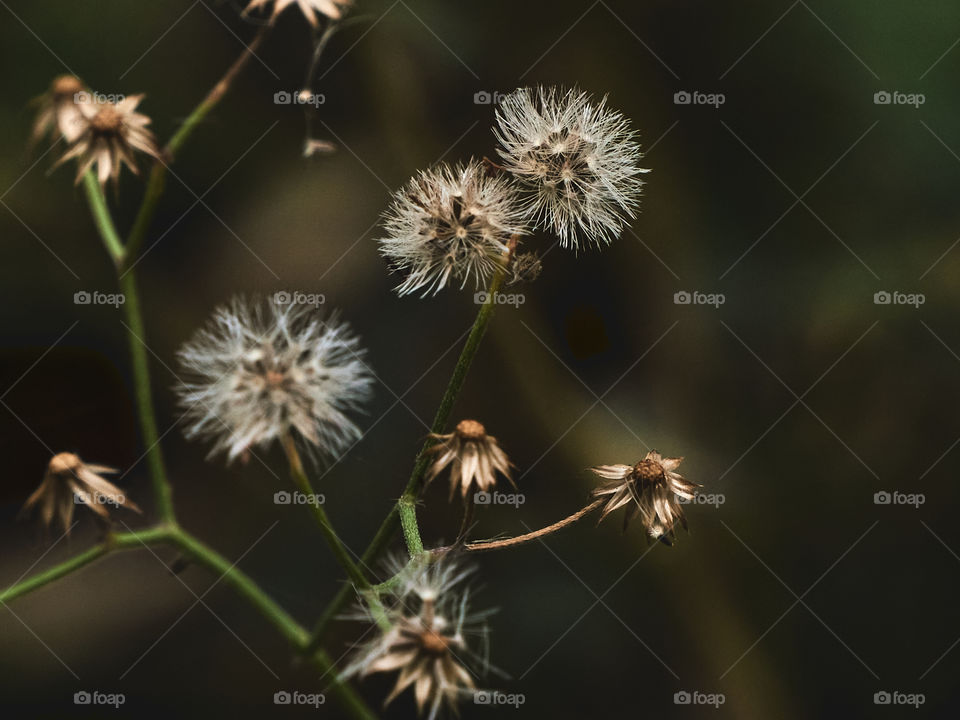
x: 651, y: 489
x: 108, y: 135
x: 58, y: 111
x: 474, y: 458
x: 70, y: 481
x: 332, y: 9
x: 427, y: 640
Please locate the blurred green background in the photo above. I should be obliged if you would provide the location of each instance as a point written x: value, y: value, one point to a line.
x: 797, y: 399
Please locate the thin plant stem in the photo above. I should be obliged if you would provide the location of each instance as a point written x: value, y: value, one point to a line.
x: 158, y: 173
x: 468, y: 510
x: 302, y: 482
x: 407, y: 502
x: 120, y: 541
x: 485, y: 545
x: 136, y: 337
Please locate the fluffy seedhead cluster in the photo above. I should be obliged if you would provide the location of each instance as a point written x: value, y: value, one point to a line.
x: 474, y: 459
x: 69, y: 482
x: 426, y: 637
x: 261, y: 370
x: 577, y: 159
x: 451, y: 225
x: 651, y: 489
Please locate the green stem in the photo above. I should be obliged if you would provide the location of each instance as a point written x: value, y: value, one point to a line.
x: 136, y: 339
x: 102, y: 218
x: 408, y: 520
x: 407, y: 502
x: 158, y: 173
x: 241, y: 582
x: 300, y: 480
x: 121, y: 541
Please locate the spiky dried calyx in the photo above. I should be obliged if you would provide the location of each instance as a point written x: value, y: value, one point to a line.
x: 651, y: 489
x: 474, y: 458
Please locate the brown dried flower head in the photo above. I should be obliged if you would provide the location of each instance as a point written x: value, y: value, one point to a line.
x: 651, y: 490
x: 474, y: 458
x: 312, y: 9
x: 58, y: 112
x: 108, y: 135
x: 70, y: 481
x: 427, y: 640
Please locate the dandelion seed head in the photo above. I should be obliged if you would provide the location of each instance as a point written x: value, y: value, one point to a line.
x: 449, y: 225
x: 262, y: 369
x: 577, y: 159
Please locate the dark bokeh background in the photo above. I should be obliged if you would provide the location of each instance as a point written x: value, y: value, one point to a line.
x: 797, y: 399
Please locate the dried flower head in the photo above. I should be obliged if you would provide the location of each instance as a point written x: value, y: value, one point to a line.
x: 577, y: 158
x: 525, y: 268
x: 474, y: 458
x: 58, y: 112
x: 427, y: 640
x: 108, y: 134
x: 261, y: 370
x: 652, y: 490
x: 451, y: 224
x: 70, y: 481
x: 313, y: 10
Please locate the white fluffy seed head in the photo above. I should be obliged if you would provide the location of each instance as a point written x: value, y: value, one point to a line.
x: 259, y: 370
x: 451, y: 224
x: 578, y: 160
